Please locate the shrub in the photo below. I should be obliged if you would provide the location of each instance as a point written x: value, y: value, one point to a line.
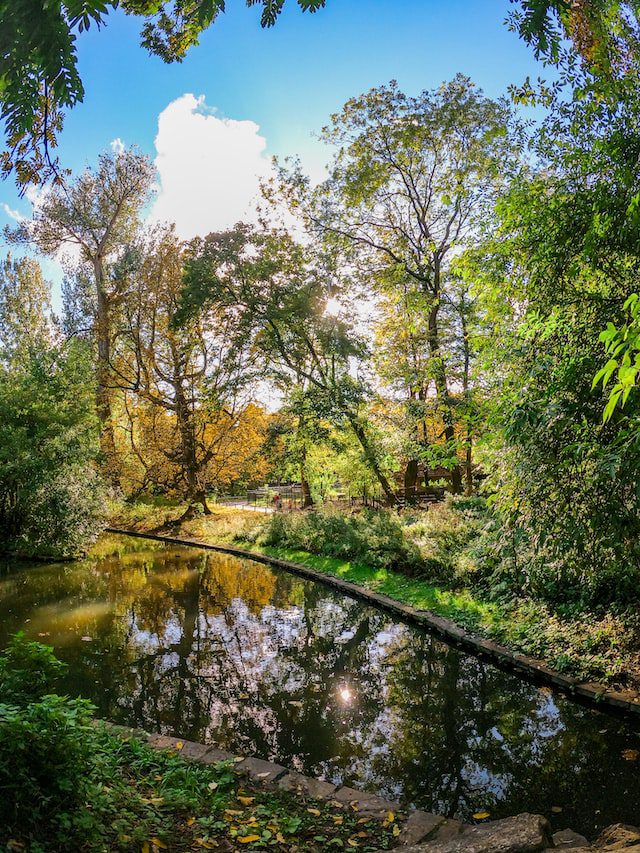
x: 375, y: 537
x: 51, y: 498
x: 45, y: 743
x: 28, y: 671
x: 45, y: 762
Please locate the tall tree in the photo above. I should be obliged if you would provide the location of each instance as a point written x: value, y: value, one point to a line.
x: 412, y: 185
x: 97, y: 215
x: 50, y: 494
x: 187, y: 388
x: 281, y: 295
x: 25, y: 311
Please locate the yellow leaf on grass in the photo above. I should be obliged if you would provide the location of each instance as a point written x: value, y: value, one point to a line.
x: 351, y: 842
x: 232, y: 812
x: 157, y: 842
x: 191, y: 821
x: 246, y: 801
x: 316, y: 812
x: 631, y: 754
x: 247, y: 839
x: 390, y: 817
x: 280, y: 838
x: 145, y: 847
x: 179, y: 745
x: 212, y: 786
x: 206, y: 845
x: 396, y: 830
x: 481, y: 815
x: 338, y: 819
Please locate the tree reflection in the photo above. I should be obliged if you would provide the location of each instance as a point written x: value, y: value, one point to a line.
x: 214, y: 648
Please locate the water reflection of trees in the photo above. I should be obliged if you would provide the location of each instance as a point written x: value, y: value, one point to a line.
x: 220, y: 649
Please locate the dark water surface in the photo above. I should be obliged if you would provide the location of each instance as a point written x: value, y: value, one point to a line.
x: 256, y: 660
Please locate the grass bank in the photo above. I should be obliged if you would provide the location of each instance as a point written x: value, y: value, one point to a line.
x: 439, y: 573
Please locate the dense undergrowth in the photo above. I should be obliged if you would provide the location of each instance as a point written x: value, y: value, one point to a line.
x: 453, y: 560
x: 70, y: 784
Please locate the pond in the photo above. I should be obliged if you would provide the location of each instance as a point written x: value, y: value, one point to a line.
x: 256, y: 660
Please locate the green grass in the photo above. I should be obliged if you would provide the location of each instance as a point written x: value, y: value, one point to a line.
x: 460, y: 606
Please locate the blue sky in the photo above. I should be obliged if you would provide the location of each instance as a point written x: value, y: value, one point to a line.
x: 286, y: 81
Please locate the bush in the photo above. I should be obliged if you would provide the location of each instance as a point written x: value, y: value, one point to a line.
x: 28, y: 671
x: 45, y: 744
x: 45, y: 762
x: 374, y: 537
x: 51, y: 497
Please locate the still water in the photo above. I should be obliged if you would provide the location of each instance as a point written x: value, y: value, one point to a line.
x: 255, y: 660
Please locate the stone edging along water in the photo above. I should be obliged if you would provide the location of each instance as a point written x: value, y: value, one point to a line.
x: 592, y: 694
x: 417, y: 826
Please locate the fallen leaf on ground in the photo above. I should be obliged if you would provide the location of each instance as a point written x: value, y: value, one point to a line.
x: 246, y: 801
x: 631, y: 754
x: 247, y: 839
x: 314, y: 811
x: 481, y: 815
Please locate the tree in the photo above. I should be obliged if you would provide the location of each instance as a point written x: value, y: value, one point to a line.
x: 273, y: 285
x: 412, y: 185
x: 39, y: 69
x: 97, y: 214
x: 25, y: 311
x: 187, y: 388
x: 560, y: 265
x: 604, y: 33
x: 50, y: 493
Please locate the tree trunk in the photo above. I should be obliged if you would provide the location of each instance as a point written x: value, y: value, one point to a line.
x: 195, y: 492
x: 103, y: 377
x: 307, y: 497
x: 468, y: 466
x: 440, y: 379
x: 369, y: 454
x: 410, y: 480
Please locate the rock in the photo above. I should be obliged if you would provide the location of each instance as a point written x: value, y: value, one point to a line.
x: 567, y: 839
x: 524, y: 833
x: 619, y: 836
x: 365, y: 803
x: 419, y: 826
x: 306, y: 785
x: 447, y: 830
x: 259, y: 770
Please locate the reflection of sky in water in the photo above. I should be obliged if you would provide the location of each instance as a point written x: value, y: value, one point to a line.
x: 209, y: 647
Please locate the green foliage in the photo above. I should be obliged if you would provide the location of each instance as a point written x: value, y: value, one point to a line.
x: 51, y: 497
x: 28, y: 671
x: 373, y: 537
x: 39, y: 76
x: 623, y: 347
x: 45, y: 759
x: 561, y: 265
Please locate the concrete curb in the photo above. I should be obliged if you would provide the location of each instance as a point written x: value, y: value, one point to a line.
x: 592, y: 694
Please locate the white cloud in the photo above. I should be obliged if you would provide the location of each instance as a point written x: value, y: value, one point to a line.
x: 12, y: 214
x: 117, y: 145
x: 209, y: 168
